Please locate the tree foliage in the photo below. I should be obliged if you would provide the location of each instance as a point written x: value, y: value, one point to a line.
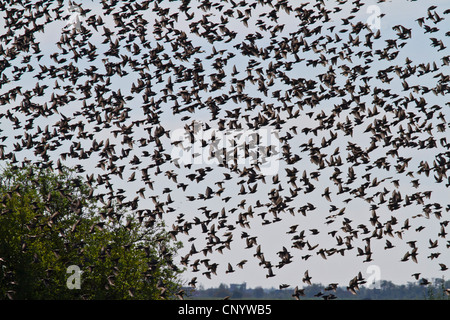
x: 50, y: 221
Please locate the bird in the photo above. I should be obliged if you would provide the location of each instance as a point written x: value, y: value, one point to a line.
x: 306, y: 278
x: 241, y: 263
x: 389, y: 245
x: 229, y: 269
x: 193, y: 282
x: 298, y: 293
x: 416, y: 275
x: 326, y: 194
x: 443, y: 267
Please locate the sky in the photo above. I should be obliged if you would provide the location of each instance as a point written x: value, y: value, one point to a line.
x: 272, y: 237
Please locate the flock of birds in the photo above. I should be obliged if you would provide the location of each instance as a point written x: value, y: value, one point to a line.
x: 104, y: 94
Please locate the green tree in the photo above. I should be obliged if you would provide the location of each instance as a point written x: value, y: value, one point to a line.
x: 437, y: 291
x: 50, y: 221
